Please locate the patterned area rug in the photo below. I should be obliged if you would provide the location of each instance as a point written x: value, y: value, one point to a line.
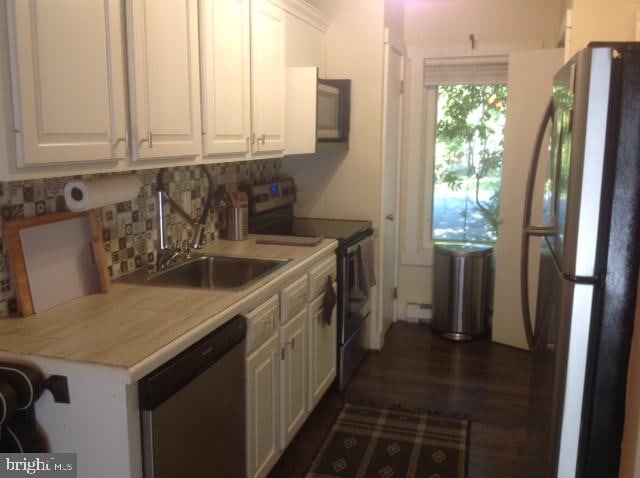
x: 368, y: 441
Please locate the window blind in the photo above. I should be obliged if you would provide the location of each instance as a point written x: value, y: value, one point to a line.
x: 468, y: 73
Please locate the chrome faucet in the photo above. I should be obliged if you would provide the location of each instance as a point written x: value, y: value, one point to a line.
x: 168, y: 253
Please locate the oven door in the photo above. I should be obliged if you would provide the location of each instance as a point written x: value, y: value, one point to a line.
x: 357, y: 296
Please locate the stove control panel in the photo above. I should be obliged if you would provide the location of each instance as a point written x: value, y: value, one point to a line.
x: 273, y: 195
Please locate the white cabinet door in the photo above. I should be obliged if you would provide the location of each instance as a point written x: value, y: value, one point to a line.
x: 164, y: 78
x: 268, y: 76
x: 68, y: 78
x: 323, y: 350
x: 225, y: 74
x: 263, y: 408
x: 294, y: 376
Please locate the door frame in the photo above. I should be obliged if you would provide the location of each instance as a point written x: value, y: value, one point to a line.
x: 392, y: 42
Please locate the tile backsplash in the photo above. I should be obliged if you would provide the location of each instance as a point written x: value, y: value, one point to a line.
x: 129, y: 229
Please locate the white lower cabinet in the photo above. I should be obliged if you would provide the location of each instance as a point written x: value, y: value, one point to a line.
x: 288, y: 373
x: 294, y: 376
x: 323, y: 341
x: 263, y: 408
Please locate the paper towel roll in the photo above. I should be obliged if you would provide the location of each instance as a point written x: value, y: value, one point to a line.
x: 91, y: 193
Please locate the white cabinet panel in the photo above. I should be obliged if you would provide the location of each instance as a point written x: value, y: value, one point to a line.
x: 226, y: 79
x: 294, y: 376
x: 323, y: 350
x: 268, y: 76
x: 263, y: 408
x: 68, y: 80
x: 164, y: 78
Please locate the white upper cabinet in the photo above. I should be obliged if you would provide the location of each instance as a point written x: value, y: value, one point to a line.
x: 164, y: 78
x: 68, y: 80
x: 268, y: 76
x: 226, y: 78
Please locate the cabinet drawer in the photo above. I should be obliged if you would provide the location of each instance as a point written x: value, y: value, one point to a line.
x: 318, y: 276
x: 262, y: 322
x: 293, y: 299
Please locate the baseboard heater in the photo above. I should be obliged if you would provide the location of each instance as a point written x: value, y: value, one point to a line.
x: 419, y: 313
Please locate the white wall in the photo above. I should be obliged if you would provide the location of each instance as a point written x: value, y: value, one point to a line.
x: 441, y: 25
x: 310, y: 47
x: 394, y: 16
x: 347, y: 184
x: 599, y: 20
x: 447, y: 22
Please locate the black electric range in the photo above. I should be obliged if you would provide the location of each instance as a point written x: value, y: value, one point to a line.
x: 271, y: 212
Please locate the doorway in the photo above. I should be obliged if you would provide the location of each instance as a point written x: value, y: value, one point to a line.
x: 391, y: 148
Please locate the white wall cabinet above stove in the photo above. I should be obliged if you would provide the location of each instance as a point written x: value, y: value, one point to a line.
x: 268, y: 76
x: 243, y: 77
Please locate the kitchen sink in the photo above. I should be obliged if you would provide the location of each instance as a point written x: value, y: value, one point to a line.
x: 210, y: 272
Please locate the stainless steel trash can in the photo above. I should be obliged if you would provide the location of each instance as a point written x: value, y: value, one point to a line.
x: 463, y: 290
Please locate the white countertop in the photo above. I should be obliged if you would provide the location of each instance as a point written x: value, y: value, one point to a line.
x: 135, y: 328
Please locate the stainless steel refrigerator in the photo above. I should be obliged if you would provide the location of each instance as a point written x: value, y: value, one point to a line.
x: 588, y: 266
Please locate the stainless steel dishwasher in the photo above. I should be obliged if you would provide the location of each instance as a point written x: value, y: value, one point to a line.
x: 193, y: 409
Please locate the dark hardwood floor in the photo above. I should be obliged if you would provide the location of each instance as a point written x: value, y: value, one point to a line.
x: 486, y: 381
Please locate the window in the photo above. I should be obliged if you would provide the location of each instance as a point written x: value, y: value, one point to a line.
x: 466, y: 112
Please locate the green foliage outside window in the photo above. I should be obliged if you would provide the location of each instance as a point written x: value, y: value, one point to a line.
x: 468, y: 160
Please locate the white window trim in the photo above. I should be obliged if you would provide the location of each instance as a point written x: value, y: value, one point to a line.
x: 417, y: 247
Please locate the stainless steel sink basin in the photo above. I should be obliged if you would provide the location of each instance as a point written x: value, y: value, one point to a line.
x: 210, y: 272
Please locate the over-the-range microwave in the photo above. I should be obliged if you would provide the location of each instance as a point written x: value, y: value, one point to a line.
x: 334, y: 111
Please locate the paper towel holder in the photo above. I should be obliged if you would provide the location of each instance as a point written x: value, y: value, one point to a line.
x: 100, y: 191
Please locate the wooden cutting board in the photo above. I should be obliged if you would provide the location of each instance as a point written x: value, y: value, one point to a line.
x: 55, y: 258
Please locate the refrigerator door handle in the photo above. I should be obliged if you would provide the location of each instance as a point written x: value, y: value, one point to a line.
x: 529, y: 230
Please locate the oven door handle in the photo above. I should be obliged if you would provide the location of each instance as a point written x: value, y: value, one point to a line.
x: 352, y: 249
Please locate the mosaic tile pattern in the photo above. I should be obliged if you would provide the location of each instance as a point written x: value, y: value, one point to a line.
x: 129, y: 229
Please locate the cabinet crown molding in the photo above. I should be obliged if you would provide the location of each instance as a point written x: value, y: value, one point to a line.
x: 305, y: 12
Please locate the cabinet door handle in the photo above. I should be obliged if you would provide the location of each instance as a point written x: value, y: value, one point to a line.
x: 262, y: 139
x: 253, y: 138
x: 293, y: 343
x: 148, y: 139
x: 282, y: 352
x: 124, y: 138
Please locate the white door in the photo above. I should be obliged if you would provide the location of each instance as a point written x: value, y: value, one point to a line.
x: 68, y: 80
x: 294, y: 376
x: 323, y: 341
x: 268, y: 76
x: 164, y: 77
x: 529, y: 90
x: 225, y: 65
x: 392, y: 124
x: 263, y: 408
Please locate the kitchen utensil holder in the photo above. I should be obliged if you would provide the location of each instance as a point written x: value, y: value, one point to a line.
x: 237, y: 223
